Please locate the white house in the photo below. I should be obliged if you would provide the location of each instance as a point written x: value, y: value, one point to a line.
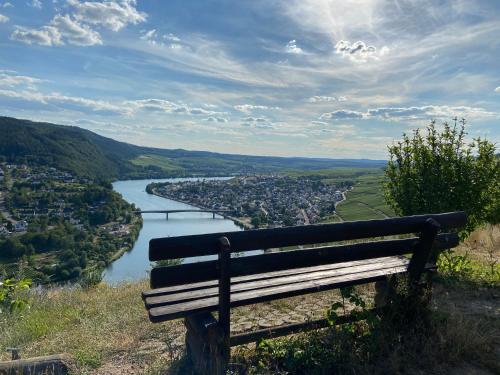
x: 21, y: 226
x: 338, y: 195
x: 3, y: 231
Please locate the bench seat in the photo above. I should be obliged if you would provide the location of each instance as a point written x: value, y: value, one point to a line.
x: 179, y: 301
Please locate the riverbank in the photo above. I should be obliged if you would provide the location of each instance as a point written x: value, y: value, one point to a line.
x: 59, y: 227
x: 134, y: 264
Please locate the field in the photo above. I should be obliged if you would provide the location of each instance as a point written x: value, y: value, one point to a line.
x: 365, y: 200
x: 156, y: 160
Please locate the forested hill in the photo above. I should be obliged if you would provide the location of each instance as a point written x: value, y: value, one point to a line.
x: 64, y: 147
x: 88, y: 154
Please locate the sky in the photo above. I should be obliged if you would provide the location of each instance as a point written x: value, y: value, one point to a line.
x: 315, y: 78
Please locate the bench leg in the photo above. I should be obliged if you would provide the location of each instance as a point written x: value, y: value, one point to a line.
x: 384, y: 291
x: 205, y: 344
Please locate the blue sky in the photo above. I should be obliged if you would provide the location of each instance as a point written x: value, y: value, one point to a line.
x: 273, y: 77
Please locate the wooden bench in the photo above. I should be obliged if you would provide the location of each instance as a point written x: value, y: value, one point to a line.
x: 194, y: 290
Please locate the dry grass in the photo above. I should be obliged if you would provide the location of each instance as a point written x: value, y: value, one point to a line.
x: 106, y: 331
x: 476, y: 261
x: 483, y: 244
x: 94, y: 326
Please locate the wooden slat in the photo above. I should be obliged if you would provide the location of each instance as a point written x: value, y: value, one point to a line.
x: 224, y: 294
x: 257, y: 276
x: 266, y: 283
x: 164, y: 313
x: 283, y: 260
x: 206, y: 244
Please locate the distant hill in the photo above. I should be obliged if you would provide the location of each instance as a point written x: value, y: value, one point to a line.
x: 88, y: 154
x: 67, y: 148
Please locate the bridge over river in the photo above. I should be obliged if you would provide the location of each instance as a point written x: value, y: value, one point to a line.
x: 166, y: 212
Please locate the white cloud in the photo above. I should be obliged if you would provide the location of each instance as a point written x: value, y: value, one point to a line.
x: 74, y: 28
x: 155, y: 105
x: 216, y: 119
x: 291, y: 47
x: 23, y: 88
x: 411, y: 113
x: 11, y: 79
x: 258, y: 122
x: 114, y: 15
x: 155, y: 38
x: 74, y: 32
x: 247, y: 108
x: 3, y: 18
x: 6, y: 5
x: 46, y: 36
x: 342, y: 114
x: 166, y: 106
x: 35, y: 4
x: 497, y: 89
x: 171, y: 37
x: 359, y: 51
x: 320, y: 99
x: 431, y: 111
x: 61, y: 30
x: 149, y: 35
x: 65, y: 102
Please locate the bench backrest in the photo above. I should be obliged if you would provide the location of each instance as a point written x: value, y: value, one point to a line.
x: 210, y: 244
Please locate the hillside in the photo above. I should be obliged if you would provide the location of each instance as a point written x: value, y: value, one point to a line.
x: 67, y: 148
x: 88, y: 154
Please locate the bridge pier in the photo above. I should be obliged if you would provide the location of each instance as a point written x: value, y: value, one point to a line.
x: 167, y: 215
x: 213, y: 215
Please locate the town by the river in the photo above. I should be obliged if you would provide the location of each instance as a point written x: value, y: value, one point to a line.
x: 134, y: 264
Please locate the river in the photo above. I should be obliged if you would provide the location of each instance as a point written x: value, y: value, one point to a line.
x: 135, y: 264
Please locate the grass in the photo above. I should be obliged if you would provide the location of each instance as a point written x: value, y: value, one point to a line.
x: 156, y: 160
x: 93, y: 325
x: 365, y: 200
x: 476, y: 261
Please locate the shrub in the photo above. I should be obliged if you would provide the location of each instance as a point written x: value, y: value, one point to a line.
x: 438, y: 172
x: 13, y: 295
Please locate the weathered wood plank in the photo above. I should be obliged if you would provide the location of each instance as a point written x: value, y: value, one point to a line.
x: 200, y: 341
x: 206, y: 244
x: 58, y: 364
x: 284, y: 260
x: 256, y: 277
x: 423, y: 250
x: 163, y: 313
x: 169, y: 299
x: 224, y: 292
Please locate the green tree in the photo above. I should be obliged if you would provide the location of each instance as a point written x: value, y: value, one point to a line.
x: 437, y: 171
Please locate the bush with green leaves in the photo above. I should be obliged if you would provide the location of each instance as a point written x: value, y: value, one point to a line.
x: 438, y: 171
x: 13, y: 294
